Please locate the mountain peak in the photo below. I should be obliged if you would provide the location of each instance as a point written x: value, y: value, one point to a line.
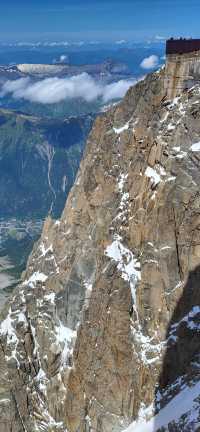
x: 106, y: 321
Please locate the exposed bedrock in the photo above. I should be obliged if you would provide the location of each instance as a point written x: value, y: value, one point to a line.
x: 86, y: 338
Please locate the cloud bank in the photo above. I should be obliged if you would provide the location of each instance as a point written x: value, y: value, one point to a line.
x: 120, y: 42
x: 54, y: 90
x: 149, y: 62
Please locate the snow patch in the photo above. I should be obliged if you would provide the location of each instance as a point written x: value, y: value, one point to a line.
x: 195, y: 147
x: 57, y: 222
x: 124, y: 197
x: 170, y: 127
x: 149, y: 349
x: 181, y: 155
x: 121, y: 129
x: 6, y: 328
x: 50, y: 297
x: 88, y: 291
x: 165, y: 247
x: 176, y: 148
x: 65, y: 337
x: 127, y: 264
x: 165, y: 117
x: 36, y: 277
x: 153, y: 175
x: 42, y: 379
x: 44, y: 250
x: 171, y: 178
x: 174, y: 102
x: 121, y: 181
x: 181, y: 404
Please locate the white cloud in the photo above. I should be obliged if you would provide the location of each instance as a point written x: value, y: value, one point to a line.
x: 120, y: 42
x: 117, y: 89
x: 14, y: 86
x: 54, y: 90
x: 63, y: 58
x: 149, y: 62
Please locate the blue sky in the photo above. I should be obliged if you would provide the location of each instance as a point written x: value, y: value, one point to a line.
x: 97, y: 19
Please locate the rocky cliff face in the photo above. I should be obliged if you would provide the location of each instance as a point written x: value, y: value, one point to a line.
x: 104, y: 330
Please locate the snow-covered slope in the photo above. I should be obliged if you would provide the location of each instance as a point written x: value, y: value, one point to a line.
x: 185, y: 404
x: 41, y: 68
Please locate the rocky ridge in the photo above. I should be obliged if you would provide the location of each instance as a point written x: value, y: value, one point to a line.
x: 103, y: 332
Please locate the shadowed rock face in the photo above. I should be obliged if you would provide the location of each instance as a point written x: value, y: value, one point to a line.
x: 83, y: 340
x: 181, y: 362
x: 183, y: 333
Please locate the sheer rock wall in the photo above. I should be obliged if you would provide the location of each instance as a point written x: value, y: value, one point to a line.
x: 84, y: 338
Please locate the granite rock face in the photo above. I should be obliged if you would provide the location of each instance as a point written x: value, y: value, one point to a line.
x: 104, y: 329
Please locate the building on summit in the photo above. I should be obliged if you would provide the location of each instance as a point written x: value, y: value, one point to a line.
x: 182, y: 69
x: 182, y: 46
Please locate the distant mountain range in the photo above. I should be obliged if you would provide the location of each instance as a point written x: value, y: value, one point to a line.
x: 107, y: 68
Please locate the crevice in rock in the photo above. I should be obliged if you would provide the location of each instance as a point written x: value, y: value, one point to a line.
x: 177, y: 246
